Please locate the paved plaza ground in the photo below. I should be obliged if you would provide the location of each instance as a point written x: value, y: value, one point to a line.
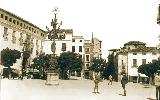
x: 30, y: 89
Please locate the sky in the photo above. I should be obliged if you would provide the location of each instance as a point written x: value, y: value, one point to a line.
x: 114, y: 22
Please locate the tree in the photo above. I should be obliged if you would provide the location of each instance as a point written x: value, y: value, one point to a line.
x: 69, y: 61
x: 149, y: 69
x: 41, y: 62
x: 98, y: 65
x: 109, y: 70
x: 8, y: 57
x: 112, y: 66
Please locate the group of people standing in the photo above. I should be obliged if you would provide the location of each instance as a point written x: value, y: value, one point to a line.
x: 124, y: 81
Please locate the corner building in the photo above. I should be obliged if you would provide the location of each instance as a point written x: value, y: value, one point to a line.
x: 131, y: 56
x: 21, y: 35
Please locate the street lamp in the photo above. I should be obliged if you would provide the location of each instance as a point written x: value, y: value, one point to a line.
x: 52, y: 71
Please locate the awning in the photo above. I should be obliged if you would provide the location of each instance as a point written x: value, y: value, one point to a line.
x: 142, y: 75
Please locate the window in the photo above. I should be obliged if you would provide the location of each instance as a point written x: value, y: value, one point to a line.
x: 87, y: 57
x: 24, y: 25
x: 73, y: 40
x: 5, y: 34
x: 154, y: 60
x: 153, y: 53
x: 10, y: 19
x: 134, y: 53
x: 14, y: 21
x: 122, y: 62
x: 17, y: 22
x: 31, y: 50
x: 14, y: 37
x: 5, y: 30
x: 2, y: 15
x: 134, y: 62
x: 143, y: 61
x: 63, y: 46
x: 87, y: 50
x: 6, y: 17
x: 80, y: 48
x: 143, y: 53
x: 87, y: 66
x: 80, y: 40
x: 73, y: 48
x: 135, y: 46
x: 21, y: 24
x: 80, y: 56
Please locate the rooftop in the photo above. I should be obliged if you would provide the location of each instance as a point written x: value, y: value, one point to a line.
x: 134, y: 43
x: 20, y: 19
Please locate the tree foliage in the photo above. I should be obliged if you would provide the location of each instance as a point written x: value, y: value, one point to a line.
x: 149, y: 69
x: 42, y: 62
x: 98, y: 64
x: 69, y: 61
x: 111, y: 68
x: 8, y: 57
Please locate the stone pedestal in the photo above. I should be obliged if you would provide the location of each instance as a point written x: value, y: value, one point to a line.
x: 52, y: 79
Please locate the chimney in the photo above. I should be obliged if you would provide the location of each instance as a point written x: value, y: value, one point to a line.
x: 92, y: 38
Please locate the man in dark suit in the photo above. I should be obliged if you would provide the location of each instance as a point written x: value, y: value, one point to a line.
x: 124, y: 81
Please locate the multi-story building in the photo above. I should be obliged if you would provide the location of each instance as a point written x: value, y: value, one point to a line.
x: 131, y: 56
x: 67, y: 43
x: 19, y: 34
x: 88, y: 56
x: 97, y: 47
x: 76, y: 44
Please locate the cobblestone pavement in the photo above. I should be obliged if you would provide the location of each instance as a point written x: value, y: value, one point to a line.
x: 29, y: 89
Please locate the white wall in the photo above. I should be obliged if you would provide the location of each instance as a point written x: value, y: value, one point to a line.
x: 132, y: 70
x: 69, y: 44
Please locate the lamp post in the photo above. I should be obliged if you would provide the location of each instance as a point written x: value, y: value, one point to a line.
x: 52, y: 72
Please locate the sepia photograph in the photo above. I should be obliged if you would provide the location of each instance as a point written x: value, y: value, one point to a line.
x: 79, y: 50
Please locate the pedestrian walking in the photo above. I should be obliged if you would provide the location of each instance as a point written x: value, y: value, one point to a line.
x: 157, y: 85
x: 96, y: 81
x: 110, y: 79
x: 124, y: 81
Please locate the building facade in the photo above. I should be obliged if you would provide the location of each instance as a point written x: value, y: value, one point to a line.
x: 131, y: 56
x: 88, y: 56
x: 97, y: 47
x: 76, y: 44
x: 21, y: 35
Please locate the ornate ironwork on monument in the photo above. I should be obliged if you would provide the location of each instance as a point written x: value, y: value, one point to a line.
x: 53, y: 34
